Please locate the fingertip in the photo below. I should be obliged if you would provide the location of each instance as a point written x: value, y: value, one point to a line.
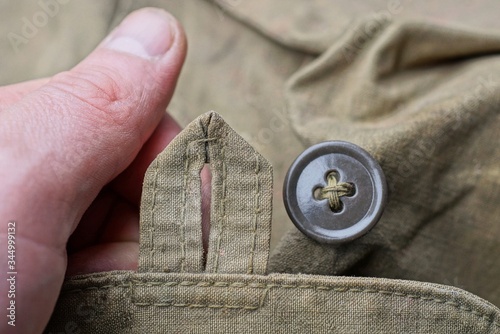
x: 147, y: 33
x: 76, y: 133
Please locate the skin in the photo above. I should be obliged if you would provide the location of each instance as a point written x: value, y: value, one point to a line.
x: 73, y: 152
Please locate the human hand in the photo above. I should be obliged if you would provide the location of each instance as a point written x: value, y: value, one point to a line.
x: 74, y: 149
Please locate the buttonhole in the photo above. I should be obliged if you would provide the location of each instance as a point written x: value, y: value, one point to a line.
x: 206, y: 196
x: 353, y: 190
x: 317, y: 193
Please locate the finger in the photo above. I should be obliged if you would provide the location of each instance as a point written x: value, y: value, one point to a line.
x: 92, y: 222
x: 206, y: 197
x: 104, y: 257
x: 122, y: 224
x: 110, y: 218
x: 13, y: 93
x: 62, y: 143
x: 129, y: 183
x: 84, y: 127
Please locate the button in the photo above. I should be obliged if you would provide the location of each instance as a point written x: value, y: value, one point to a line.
x: 335, y: 192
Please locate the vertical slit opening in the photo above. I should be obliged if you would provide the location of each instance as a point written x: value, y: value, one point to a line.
x: 206, y: 196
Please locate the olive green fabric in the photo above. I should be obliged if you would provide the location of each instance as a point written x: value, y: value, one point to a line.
x: 126, y: 302
x: 174, y: 293
x: 424, y: 100
x: 240, y: 222
x: 415, y: 83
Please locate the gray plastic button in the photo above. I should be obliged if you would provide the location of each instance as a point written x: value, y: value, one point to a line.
x: 335, y: 192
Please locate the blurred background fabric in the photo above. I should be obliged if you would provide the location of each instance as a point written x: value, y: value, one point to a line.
x: 415, y: 83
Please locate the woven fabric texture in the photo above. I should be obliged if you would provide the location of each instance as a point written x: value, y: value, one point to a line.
x: 174, y: 292
x: 415, y: 83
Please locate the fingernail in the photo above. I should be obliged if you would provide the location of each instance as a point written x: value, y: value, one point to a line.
x: 146, y: 33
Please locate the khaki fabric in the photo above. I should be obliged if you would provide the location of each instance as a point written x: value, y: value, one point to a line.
x: 415, y: 83
x: 429, y: 113
x: 240, y: 222
x: 173, y: 292
x: 125, y: 302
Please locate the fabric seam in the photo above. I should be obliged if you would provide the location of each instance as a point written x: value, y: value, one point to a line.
x: 182, y: 237
x: 203, y: 284
x: 152, y: 217
x: 251, y: 266
x: 223, y: 203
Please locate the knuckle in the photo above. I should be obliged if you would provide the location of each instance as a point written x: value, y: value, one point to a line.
x: 105, y: 97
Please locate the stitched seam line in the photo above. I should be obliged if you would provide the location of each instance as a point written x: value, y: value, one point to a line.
x: 216, y: 306
x: 251, y: 266
x: 223, y: 205
x: 153, y: 208
x: 182, y: 237
x: 288, y: 286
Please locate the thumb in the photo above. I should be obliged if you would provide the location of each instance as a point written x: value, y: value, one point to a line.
x: 64, y: 141
x: 77, y: 132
